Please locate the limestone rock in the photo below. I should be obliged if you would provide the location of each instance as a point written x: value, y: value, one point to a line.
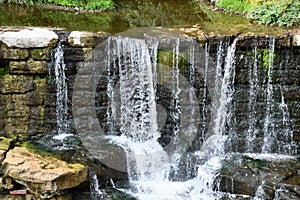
x: 296, y: 40
x: 4, y: 147
x: 43, y: 175
x: 29, y: 38
x: 86, y: 39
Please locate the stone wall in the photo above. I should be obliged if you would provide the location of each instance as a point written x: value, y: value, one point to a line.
x: 27, y: 82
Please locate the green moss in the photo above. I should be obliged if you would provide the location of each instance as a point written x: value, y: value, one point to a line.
x: 254, y: 163
x: 38, y: 77
x: 5, y: 143
x: 36, y: 149
x: 168, y: 58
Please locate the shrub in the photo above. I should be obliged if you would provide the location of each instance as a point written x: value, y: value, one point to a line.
x: 269, y: 12
x: 286, y: 13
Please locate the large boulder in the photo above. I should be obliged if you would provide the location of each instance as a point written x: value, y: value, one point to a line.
x: 42, y: 175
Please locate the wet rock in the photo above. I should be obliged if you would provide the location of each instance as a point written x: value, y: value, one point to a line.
x: 29, y: 38
x: 259, y: 177
x: 42, y: 175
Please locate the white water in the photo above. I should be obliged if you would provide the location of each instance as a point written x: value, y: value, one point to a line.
x: 95, y: 192
x: 149, y: 165
x: 253, y: 92
x: 61, y: 94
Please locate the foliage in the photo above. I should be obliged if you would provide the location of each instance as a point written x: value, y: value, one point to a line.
x: 4, y: 68
x: 239, y: 6
x: 85, y: 4
x: 269, y: 12
x: 286, y: 13
x: 37, y: 16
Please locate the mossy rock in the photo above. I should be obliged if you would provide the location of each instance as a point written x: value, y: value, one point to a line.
x: 5, y: 143
x: 168, y: 58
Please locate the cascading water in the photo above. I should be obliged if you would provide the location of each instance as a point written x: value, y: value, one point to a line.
x: 152, y: 170
x: 140, y: 73
x: 269, y: 126
x: 253, y: 81
x: 61, y: 94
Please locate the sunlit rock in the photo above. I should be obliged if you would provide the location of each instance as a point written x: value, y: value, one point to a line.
x: 29, y: 38
x: 43, y: 175
x: 86, y: 39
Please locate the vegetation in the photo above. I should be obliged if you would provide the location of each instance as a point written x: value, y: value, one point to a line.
x: 83, y: 4
x: 269, y: 12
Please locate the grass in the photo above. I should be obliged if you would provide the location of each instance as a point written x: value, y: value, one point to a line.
x: 101, y: 5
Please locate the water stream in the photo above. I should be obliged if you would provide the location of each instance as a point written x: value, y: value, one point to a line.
x: 61, y: 94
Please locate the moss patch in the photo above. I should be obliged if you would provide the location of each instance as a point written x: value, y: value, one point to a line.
x: 5, y: 143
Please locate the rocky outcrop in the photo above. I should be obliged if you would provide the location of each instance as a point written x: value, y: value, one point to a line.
x: 43, y: 176
x: 264, y: 178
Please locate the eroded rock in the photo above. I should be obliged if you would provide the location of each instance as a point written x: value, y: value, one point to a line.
x: 42, y: 175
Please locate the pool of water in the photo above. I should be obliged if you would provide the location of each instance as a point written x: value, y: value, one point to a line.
x: 132, y: 14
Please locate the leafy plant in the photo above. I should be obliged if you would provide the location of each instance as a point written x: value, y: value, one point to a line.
x: 269, y: 12
x: 286, y: 13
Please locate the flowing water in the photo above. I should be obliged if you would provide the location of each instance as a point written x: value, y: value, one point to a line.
x: 168, y: 170
x: 61, y: 94
x: 155, y: 171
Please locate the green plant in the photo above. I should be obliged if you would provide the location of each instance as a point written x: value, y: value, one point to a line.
x: 239, y: 6
x: 286, y: 13
x: 269, y: 12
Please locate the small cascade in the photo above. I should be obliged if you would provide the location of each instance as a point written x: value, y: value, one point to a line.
x: 287, y: 145
x: 223, y: 96
x: 95, y: 192
x: 268, y: 129
x: 252, y: 103
x: 61, y: 94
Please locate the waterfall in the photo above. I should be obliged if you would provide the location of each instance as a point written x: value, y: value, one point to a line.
x: 160, y: 170
x: 223, y: 95
x: 268, y: 129
x: 61, y: 94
